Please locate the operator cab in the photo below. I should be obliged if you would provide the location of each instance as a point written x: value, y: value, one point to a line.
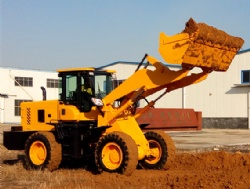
x: 79, y: 85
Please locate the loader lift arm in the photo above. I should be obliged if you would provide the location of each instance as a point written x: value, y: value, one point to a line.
x: 149, y: 82
x: 198, y: 45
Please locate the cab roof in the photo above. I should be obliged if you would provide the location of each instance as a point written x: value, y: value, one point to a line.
x: 84, y: 69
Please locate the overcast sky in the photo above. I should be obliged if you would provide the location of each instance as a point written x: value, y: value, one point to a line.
x: 53, y: 34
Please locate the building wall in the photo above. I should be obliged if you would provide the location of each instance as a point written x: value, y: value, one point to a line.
x: 218, y: 95
x: 223, y: 100
x: 9, y: 92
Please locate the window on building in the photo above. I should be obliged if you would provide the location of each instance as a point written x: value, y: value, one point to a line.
x: 245, y: 76
x: 17, y: 106
x: 24, y: 81
x: 54, y: 83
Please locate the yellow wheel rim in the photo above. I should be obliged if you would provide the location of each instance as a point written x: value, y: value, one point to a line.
x: 156, y: 152
x: 38, y: 152
x: 112, y: 156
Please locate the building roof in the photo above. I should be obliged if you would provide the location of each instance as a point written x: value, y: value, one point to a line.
x: 243, y: 51
x: 38, y: 70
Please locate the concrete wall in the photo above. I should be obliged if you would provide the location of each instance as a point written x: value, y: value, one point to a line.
x: 223, y: 123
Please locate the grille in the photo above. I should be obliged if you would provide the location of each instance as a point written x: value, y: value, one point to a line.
x: 28, y: 116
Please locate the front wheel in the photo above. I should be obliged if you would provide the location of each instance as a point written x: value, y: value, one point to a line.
x: 162, y: 149
x: 116, y: 152
x: 42, y: 151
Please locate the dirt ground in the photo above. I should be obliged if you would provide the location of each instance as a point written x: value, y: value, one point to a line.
x: 222, y: 168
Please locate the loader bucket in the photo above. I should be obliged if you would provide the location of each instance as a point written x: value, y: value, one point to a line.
x: 200, y: 45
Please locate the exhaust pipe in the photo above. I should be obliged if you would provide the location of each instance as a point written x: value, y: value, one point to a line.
x: 44, y: 92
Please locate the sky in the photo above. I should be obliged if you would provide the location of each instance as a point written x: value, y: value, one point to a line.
x: 55, y: 34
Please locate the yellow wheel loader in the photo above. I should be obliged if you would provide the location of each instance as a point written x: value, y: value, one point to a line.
x: 95, y: 120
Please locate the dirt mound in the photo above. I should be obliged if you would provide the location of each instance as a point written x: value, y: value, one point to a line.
x: 213, y: 35
x: 213, y: 169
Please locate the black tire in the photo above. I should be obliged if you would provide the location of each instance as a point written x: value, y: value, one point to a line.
x: 116, y: 144
x: 164, y: 149
x: 42, y: 151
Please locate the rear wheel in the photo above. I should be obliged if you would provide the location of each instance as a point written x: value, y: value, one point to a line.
x: 162, y: 149
x: 116, y: 152
x: 42, y: 151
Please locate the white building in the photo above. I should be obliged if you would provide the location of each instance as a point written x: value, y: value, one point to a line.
x: 18, y: 85
x: 223, y: 98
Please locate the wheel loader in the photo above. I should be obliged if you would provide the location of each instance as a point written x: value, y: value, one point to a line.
x: 95, y: 120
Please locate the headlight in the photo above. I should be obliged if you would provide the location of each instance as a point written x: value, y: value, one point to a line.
x: 97, y: 101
